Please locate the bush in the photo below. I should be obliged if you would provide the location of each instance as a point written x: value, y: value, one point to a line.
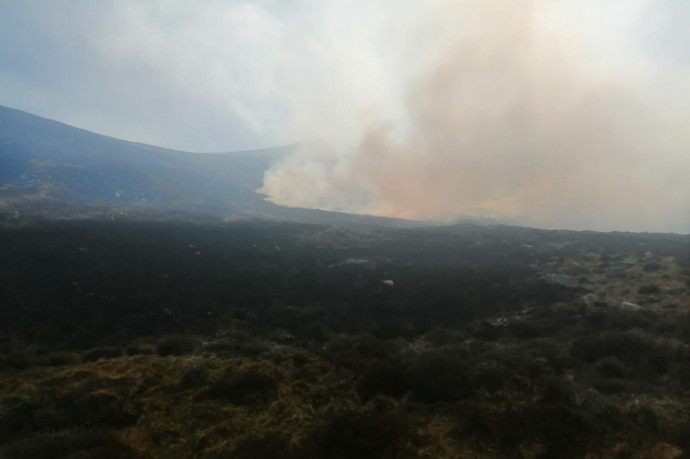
x: 388, y: 378
x: 368, y: 435
x: 56, y: 359
x: 239, y: 343
x: 492, y: 379
x: 564, y: 432
x: 177, y: 345
x: 269, y: 445
x: 247, y: 388
x: 18, y: 361
x: 102, y: 353
x: 645, y: 357
x: 441, y: 336
x: 488, y: 332
x: 624, y: 346
x: 683, y: 327
x: 648, y: 289
x: 557, y: 391
x: 77, y: 443
x: 652, y: 267
x: 440, y: 377
x: 193, y: 377
x: 523, y: 329
x: 100, y: 409
x: 608, y: 385
x: 620, y: 320
x: 81, y: 407
x: 300, y: 358
x: 611, y: 367
x: 139, y: 349
x: 360, y: 352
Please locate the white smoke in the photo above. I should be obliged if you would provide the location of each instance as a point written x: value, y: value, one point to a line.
x: 552, y: 113
x: 511, y: 110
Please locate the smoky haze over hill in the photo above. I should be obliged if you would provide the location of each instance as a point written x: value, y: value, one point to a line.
x: 542, y: 113
x: 53, y: 170
x: 513, y: 121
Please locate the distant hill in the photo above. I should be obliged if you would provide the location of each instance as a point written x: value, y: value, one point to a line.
x: 51, y: 168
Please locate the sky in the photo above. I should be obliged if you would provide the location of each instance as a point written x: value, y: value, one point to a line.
x: 544, y: 113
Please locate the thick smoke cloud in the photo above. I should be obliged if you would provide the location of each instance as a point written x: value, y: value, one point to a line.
x: 551, y: 113
x: 517, y: 118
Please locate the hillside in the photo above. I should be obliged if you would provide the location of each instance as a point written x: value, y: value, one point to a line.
x: 153, y: 305
x: 281, y: 340
x: 54, y: 170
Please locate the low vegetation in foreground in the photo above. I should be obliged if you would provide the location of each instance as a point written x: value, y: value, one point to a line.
x: 257, y: 340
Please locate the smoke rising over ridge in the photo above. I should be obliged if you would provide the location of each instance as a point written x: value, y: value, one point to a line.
x: 515, y: 119
x: 551, y: 113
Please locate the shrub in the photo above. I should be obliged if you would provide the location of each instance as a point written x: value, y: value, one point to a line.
x: 440, y: 377
x: 221, y: 346
x: 652, y: 267
x: 239, y: 343
x: 247, y: 388
x: 300, y: 358
x: 608, y: 385
x: 645, y: 357
x: 100, y: 409
x: 683, y: 326
x: 81, y: 407
x: 102, y: 353
x: 365, y: 435
x: 620, y: 320
x: 194, y: 376
x: 269, y: 445
x: 360, y: 352
x: 77, y: 443
x: 177, y: 345
x: 492, y: 379
x: 375, y: 349
x: 18, y: 361
x: 56, y: 359
x: 19, y: 417
x: 681, y: 372
x: 611, y: 367
x: 441, y: 336
x: 557, y: 391
x: 564, y: 432
x: 648, y: 289
x: 138, y: 349
x: 524, y: 329
x: 489, y: 332
x: 388, y: 378
x: 624, y: 346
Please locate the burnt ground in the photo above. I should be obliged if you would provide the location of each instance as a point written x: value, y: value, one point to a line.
x: 135, y: 338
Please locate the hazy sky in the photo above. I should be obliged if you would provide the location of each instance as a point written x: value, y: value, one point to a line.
x: 549, y: 113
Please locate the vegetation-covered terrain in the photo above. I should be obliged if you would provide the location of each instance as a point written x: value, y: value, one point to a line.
x: 148, y: 339
x: 53, y: 170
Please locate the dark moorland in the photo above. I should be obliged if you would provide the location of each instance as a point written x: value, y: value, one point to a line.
x: 140, y: 338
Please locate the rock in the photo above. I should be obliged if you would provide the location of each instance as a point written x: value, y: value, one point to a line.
x: 627, y: 306
x: 616, y: 271
x: 652, y: 267
x: 560, y: 279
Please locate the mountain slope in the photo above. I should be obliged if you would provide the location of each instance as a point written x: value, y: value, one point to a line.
x: 55, y: 161
x: 46, y: 165
x: 52, y: 169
